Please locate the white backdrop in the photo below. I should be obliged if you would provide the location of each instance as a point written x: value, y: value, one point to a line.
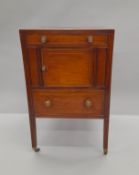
x: 123, y: 16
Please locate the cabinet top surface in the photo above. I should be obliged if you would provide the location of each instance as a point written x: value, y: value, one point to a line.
x: 67, y: 30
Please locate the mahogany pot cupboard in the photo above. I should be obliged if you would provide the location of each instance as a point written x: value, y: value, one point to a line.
x: 68, y: 75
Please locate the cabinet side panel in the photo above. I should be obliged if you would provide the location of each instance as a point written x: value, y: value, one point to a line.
x: 109, y: 73
x: 101, y: 67
x: 27, y: 73
x: 33, y: 66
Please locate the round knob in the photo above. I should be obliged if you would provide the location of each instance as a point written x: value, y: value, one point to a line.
x: 90, y: 39
x: 43, y: 39
x: 43, y: 68
x: 48, y: 103
x: 88, y: 103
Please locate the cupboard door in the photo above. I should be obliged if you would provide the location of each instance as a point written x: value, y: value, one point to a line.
x: 67, y: 67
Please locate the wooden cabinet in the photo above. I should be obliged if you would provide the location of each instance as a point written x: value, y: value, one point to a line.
x: 68, y: 75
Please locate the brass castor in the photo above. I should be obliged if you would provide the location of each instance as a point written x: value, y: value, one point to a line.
x: 105, y: 151
x: 36, y: 149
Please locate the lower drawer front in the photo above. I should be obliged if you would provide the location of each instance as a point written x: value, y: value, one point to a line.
x: 68, y: 103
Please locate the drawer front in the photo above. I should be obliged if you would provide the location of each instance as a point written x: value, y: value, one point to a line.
x: 67, y: 67
x: 66, y: 39
x: 68, y: 103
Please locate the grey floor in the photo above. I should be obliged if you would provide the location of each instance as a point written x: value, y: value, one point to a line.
x: 69, y: 148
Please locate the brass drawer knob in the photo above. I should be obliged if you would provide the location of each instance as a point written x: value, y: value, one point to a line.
x: 48, y: 103
x: 90, y: 39
x: 43, y: 39
x: 88, y: 103
x: 43, y: 68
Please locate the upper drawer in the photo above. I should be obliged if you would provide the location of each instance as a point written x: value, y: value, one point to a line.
x: 66, y: 39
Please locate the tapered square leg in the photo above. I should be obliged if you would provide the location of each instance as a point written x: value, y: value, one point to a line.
x: 33, y: 133
x: 105, y: 135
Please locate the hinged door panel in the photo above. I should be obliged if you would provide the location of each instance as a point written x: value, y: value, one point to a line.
x: 67, y: 67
